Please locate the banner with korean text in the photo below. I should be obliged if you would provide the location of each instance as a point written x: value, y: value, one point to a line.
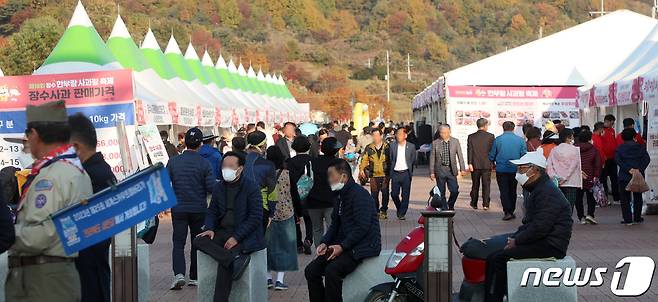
x: 533, y: 105
x: 105, y: 97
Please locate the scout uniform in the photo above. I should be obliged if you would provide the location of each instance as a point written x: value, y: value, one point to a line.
x: 39, y: 269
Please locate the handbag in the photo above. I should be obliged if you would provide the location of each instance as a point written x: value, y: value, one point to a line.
x: 305, y: 182
x: 637, y: 183
x: 150, y: 230
x: 599, y: 194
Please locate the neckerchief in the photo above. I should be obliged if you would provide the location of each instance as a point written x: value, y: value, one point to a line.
x: 64, y: 152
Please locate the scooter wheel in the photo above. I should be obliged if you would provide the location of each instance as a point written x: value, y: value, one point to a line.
x: 379, y: 296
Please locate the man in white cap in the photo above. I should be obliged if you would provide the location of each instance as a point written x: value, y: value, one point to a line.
x: 546, y: 228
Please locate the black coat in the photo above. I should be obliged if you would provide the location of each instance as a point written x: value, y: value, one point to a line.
x: 93, y: 262
x: 296, y: 167
x: 478, y: 147
x: 247, y: 211
x: 631, y: 155
x: 321, y: 196
x: 7, y: 232
x: 354, y: 223
x: 547, y: 218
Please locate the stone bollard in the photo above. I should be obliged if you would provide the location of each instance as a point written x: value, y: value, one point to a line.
x: 143, y: 273
x: 369, y: 273
x: 251, y: 287
x: 4, y: 269
x: 530, y: 293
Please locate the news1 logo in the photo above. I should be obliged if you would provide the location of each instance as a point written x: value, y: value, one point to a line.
x: 638, y: 276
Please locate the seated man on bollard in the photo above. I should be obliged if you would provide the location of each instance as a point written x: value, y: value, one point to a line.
x: 233, y: 226
x: 546, y: 228
x: 352, y: 236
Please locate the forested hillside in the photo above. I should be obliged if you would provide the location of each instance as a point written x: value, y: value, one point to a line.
x: 329, y: 51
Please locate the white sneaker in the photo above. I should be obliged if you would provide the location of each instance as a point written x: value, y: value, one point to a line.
x: 590, y: 219
x: 192, y: 282
x: 178, y: 283
x: 583, y: 221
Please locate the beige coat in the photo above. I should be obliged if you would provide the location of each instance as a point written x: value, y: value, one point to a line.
x: 55, y: 187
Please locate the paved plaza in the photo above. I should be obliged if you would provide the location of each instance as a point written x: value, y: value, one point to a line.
x: 600, y: 245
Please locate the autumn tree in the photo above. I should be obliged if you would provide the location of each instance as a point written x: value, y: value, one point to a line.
x: 28, y: 48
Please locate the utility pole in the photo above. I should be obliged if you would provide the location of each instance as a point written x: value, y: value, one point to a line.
x: 388, y: 79
x: 541, y: 31
x: 600, y: 13
x: 370, y: 66
x: 408, y: 67
x: 654, y: 9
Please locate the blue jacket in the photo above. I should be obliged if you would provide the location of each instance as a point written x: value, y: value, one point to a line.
x: 507, y: 146
x: 631, y: 155
x: 354, y: 223
x: 248, y: 211
x: 213, y: 156
x: 263, y: 173
x: 192, y: 179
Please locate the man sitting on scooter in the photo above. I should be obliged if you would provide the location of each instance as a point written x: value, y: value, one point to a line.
x: 352, y: 236
x: 546, y: 228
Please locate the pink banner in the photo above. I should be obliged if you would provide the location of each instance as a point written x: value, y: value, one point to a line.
x: 513, y: 92
x: 100, y: 87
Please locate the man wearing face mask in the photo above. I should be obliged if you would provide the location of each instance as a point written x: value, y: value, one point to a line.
x: 546, y: 228
x: 352, y: 236
x: 233, y: 226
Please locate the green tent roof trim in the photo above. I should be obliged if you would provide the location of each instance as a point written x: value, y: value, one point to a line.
x: 155, y: 57
x: 124, y: 48
x: 192, y: 60
x: 178, y: 63
x: 224, y: 75
x: 212, y: 72
x: 80, y: 43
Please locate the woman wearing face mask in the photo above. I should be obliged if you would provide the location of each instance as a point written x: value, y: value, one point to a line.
x: 564, y: 165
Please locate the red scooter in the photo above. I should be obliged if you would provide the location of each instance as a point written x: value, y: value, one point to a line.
x: 405, y: 265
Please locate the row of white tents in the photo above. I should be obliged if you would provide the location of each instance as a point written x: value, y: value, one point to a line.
x: 172, y: 87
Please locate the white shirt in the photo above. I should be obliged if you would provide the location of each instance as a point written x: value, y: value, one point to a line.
x: 401, y: 160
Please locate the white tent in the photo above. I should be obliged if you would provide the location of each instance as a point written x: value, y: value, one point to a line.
x: 577, y: 56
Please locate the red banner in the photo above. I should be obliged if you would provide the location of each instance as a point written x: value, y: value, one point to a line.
x: 82, y: 88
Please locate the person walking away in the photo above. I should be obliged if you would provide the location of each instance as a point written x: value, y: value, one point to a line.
x: 212, y: 155
x: 353, y: 236
x: 629, y: 123
x: 630, y: 156
x: 546, y: 229
x: 321, y: 199
x: 93, y: 262
x: 549, y: 141
x: 169, y: 147
x: 261, y: 171
x: 192, y: 179
x: 280, y: 238
x: 609, y: 146
x: 375, y: 166
x: 446, y: 154
x: 298, y: 166
x: 507, y: 146
x: 532, y: 136
x: 479, y: 145
x: 591, y: 164
x: 285, y: 143
x: 39, y: 269
x: 343, y: 135
x: 403, y: 157
x: 239, y: 145
x: 563, y: 165
x: 233, y: 227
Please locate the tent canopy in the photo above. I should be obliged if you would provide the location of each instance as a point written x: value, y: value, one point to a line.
x: 580, y: 55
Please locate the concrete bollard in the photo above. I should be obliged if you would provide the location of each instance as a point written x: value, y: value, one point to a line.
x: 530, y: 293
x: 4, y: 269
x: 143, y: 273
x: 251, y: 287
x: 369, y: 273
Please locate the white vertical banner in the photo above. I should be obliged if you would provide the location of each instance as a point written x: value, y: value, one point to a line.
x: 652, y: 148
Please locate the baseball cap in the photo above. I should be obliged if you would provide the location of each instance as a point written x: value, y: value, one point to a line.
x: 193, y: 136
x: 536, y: 158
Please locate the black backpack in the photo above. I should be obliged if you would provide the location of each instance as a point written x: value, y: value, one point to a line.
x: 9, y: 185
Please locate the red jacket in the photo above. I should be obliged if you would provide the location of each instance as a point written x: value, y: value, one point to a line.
x: 638, y: 139
x: 609, y: 143
x: 597, y: 141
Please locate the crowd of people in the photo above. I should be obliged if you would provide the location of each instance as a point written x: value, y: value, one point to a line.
x: 293, y: 193
x: 578, y: 160
x: 289, y: 192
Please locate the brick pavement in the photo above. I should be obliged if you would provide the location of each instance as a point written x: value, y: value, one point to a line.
x: 591, y: 245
